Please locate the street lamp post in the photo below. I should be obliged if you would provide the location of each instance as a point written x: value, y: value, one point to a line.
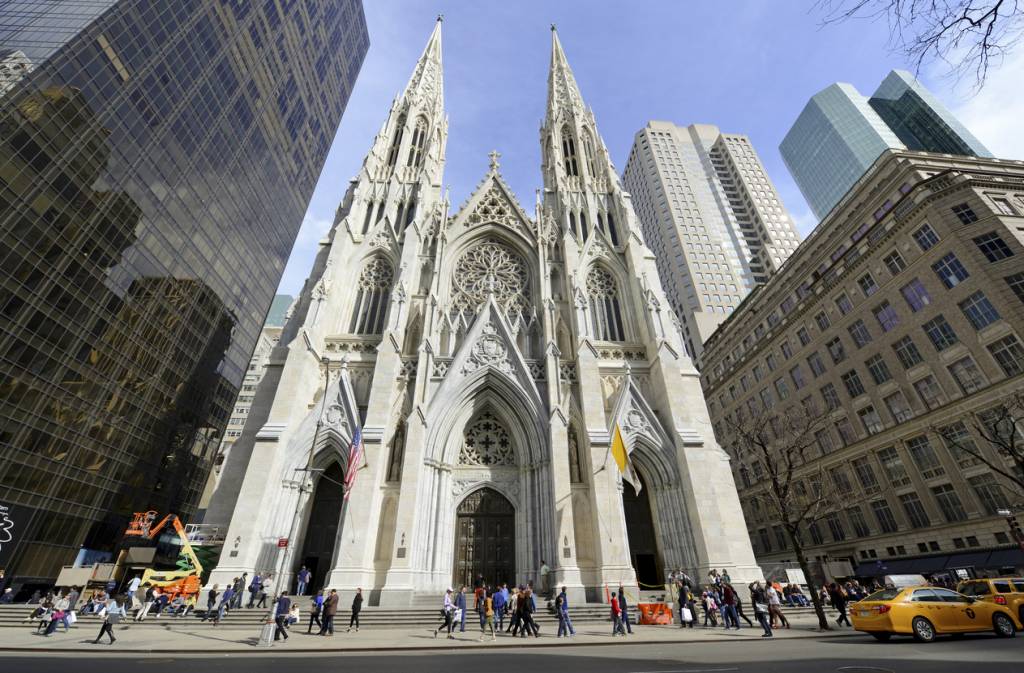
x: 1015, y: 531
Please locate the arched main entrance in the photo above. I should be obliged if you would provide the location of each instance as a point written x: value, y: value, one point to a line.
x: 643, y: 544
x: 484, y: 539
x: 322, y: 529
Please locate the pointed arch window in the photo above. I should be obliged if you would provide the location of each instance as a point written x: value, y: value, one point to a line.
x: 572, y: 223
x: 605, y: 307
x: 369, y: 214
x: 569, y: 152
x: 613, y: 233
x: 575, y: 471
x: 584, y: 231
x: 588, y: 152
x: 397, y: 454
x: 396, y: 144
x: 419, y: 141
x: 486, y: 442
x: 372, y: 297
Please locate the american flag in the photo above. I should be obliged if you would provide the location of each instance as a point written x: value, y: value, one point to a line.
x: 355, y: 455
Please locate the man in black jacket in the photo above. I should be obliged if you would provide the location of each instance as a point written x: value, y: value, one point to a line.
x: 281, y: 609
x: 357, y: 605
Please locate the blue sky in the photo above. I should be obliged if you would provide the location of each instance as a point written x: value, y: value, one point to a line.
x: 746, y: 66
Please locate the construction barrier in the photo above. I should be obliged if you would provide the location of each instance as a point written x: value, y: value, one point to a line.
x: 655, y: 613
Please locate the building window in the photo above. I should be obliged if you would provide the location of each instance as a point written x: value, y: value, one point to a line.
x: 569, y: 152
x: 870, y: 419
x: 396, y: 144
x: 894, y: 262
x: 967, y: 375
x: 835, y: 527
x: 914, y: 510
x: 1002, y: 538
x: 824, y: 440
x: 787, y: 350
x: 865, y: 473
x: 893, y: 466
x: 804, y: 336
x: 588, y: 151
x: 798, y: 377
x: 924, y: 457
x: 926, y: 237
x: 972, y: 541
x: 886, y: 316
x: 885, y: 518
x: 781, y: 388
x: 960, y: 444
x: 979, y: 310
x: 949, y: 503
x: 815, y: 533
x: 990, y: 494
x: 830, y: 396
x: 780, y: 537
x: 940, y: 332
x: 766, y: 543
x: 846, y: 432
x: 950, y: 271
x: 419, y: 141
x: 823, y: 322
x: 907, y: 353
x: 853, y: 383
x: 867, y: 285
x: 371, y: 304
x: 605, y: 312
x: 878, y: 369
x: 844, y: 304
x: 841, y: 480
x: 766, y: 398
x: 816, y: 364
x: 1003, y: 205
x: 993, y: 247
x: 1016, y: 283
x: 928, y: 390
x: 770, y: 362
x: 856, y: 518
x: 859, y: 333
x: 898, y: 407
x: 1008, y: 354
x: 836, y: 350
x: 964, y: 213
x: 916, y: 295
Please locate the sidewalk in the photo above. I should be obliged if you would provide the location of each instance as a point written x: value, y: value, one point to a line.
x: 207, y: 639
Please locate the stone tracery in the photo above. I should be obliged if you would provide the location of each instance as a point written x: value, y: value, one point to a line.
x: 490, y: 267
x: 486, y: 442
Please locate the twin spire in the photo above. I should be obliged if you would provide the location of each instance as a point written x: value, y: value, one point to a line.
x: 563, y: 92
x: 427, y: 79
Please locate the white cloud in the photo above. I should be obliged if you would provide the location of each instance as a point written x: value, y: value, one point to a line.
x: 994, y: 114
x: 304, y: 252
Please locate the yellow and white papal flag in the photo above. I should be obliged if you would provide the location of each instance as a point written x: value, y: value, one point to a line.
x: 620, y: 452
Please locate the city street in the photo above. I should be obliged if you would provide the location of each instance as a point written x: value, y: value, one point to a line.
x: 845, y: 654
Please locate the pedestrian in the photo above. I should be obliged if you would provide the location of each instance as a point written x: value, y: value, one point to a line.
x: 114, y: 613
x: 315, y: 608
x: 488, y: 617
x: 8, y: 596
x: 710, y: 608
x: 683, y: 596
x: 211, y: 602
x: 500, y: 600
x: 760, y: 601
x: 225, y: 602
x: 302, y: 581
x: 545, y: 578
x: 133, y: 588
x: 282, y: 608
x: 330, y: 609
x: 254, y: 589
x: 839, y: 603
x: 775, y: 607
x: 729, y: 614
x: 266, y: 586
x: 513, y: 609
x: 624, y: 606
x: 479, y: 594
x: 616, y: 617
x: 527, y: 625
x: 460, y: 608
x: 446, y: 612
x: 739, y: 609
x: 357, y: 605
x: 238, y: 589
x: 562, y: 610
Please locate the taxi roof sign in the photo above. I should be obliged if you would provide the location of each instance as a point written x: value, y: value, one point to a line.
x: 903, y: 581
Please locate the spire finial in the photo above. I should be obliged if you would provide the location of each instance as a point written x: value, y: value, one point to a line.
x: 440, y: 18
x: 553, y: 29
x: 494, y: 155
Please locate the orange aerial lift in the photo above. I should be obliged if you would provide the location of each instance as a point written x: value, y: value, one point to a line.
x: 186, y: 579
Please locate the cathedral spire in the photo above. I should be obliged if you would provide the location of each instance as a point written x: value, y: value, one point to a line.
x: 563, y: 93
x: 427, y: 79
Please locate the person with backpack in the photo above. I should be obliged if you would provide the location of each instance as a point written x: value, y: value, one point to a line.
x: 488, y: 609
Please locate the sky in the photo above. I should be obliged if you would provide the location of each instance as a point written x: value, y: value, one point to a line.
x: 746, y: 66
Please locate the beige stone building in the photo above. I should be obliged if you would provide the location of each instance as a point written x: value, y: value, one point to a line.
x: 903, y: 314
x: 485, y: 354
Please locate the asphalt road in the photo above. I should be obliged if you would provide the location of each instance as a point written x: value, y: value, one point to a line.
x: 818, y: 655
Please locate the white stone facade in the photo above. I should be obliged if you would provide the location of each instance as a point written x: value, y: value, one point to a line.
x: 485, y: 354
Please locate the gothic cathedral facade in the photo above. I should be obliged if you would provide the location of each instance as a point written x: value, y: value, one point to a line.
x: 485, y: 354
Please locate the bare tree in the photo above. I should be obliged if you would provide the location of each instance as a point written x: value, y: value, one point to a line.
x: 968, y: 36
x: 999, y: 430
x: 781, y: 448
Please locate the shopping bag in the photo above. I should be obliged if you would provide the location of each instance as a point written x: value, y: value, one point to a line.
x: 72, y: 618
x: 457, y: 615
x: 686, y: 615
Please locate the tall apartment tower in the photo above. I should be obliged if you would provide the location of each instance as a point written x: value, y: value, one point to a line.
x: 840, y: 133
x: 156, y: 159
x: 712, y: 217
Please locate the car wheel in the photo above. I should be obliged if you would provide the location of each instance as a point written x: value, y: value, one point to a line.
x: 881, y: 635
x: 1003, y: 625
x: 924, y: 631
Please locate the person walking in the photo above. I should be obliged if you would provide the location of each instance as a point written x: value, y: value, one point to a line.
x: 839, y: 603
x: 710, y: 608
x: 760, y: 601
x: 315, y: 608
x: 488, y: 617
x: 515, y: 612
x: 684, y: 601
x: 237, y: 590
x: 357, y: 605
x: 616, y: 616
x: 446, y: 611
x: 211, y: 601
x: 624, y: 606
x: 739, y: 609
x: 729, y: 614
x: 479, y: 594
x: 254, y: 590
x: 133, y: 588
x: 225, y: 602
x: 460, y: 608
x: 302, y: 581
x: 282, y: 607
x: 115, y: 612
x: 330, y: 610
x: 266, y: 586
x: 562, y: 610
x: 528, y: 626
x: 775, y: 607
x: 500, y: 600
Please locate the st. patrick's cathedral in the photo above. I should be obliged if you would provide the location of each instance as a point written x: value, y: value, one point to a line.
x: 485, y: 353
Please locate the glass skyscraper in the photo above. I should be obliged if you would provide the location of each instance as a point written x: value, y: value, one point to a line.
x: 840, y: 133
x: 156, y: 160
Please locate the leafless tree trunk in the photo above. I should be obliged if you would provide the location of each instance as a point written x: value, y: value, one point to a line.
x: 968, y: 36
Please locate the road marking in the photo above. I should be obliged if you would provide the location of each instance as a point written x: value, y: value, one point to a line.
x: 691, y: 670
x: 864, y: 669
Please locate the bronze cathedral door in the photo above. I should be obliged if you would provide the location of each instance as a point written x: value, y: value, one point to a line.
x: 484, y: 540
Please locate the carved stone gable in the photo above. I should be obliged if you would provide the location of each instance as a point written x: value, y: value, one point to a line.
x: 496, y: 207
x: 490, y: 350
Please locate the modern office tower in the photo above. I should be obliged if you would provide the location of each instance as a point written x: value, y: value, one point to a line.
x: 156, y: 159
x: 482, y: 356
x: 898, y: 323
x: 840, y: 133
x: 712, y: 217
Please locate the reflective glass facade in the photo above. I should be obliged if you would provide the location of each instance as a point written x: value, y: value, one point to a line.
x: 156, y: 159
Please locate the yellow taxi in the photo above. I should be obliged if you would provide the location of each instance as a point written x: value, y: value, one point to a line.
x: 926, y: 612
x: 1007, y: 591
